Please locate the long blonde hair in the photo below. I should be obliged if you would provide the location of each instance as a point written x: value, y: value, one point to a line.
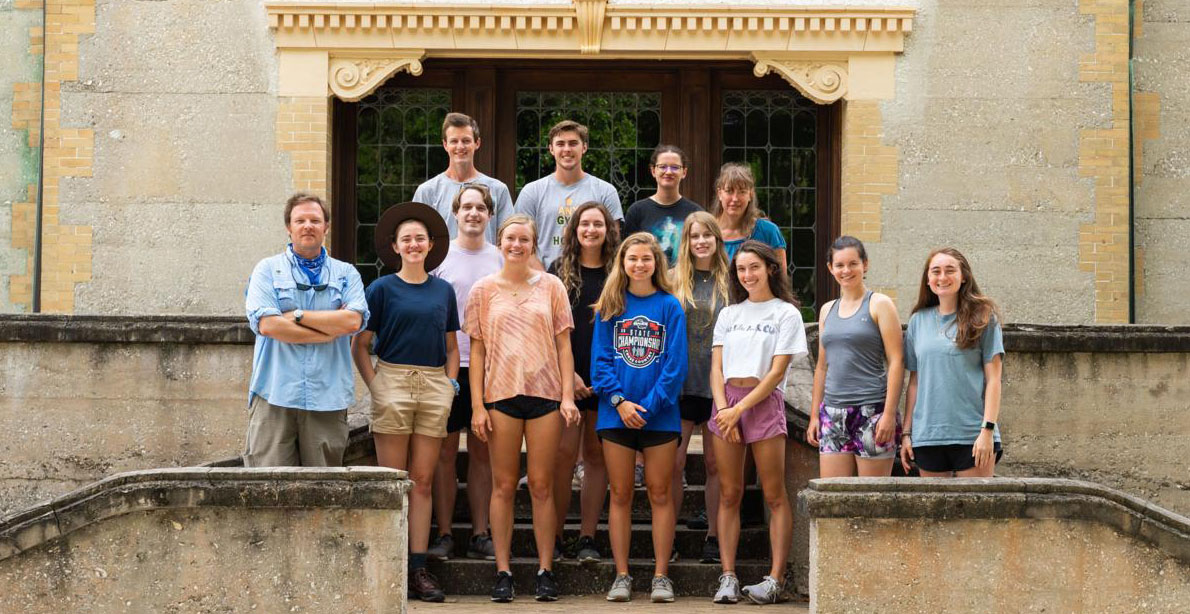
x: 682, y: 275
x: 611, y: 300
x: 733, y: 176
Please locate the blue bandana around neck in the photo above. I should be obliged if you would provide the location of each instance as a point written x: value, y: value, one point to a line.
x: 312, y: 267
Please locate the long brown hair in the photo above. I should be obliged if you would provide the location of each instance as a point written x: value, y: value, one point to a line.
x: 611, y: 300
x: 778, y: 281
x: 569, y: 262
x: 682, y: 275
x: 976, y: 311
x: 732, y: 176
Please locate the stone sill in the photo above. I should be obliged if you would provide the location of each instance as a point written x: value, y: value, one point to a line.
x: 233, y: 330
x: 190, y: 487
x: 942, y: 499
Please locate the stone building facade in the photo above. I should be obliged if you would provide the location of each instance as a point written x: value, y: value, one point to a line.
x: 1046, y: 139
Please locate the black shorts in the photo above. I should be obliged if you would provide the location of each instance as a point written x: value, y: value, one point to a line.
x: 941, y: 459
x: 637, y: 439
x: 695, y: 409
x: 460, y: 408
x: 524, y: 407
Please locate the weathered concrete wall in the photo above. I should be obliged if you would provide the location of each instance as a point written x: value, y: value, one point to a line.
x: 20, y: 73
x: 999, y: 545
x: 1162, y: 79
x: 985, y: 124
x: 213, y: 540
x: 187, y: 185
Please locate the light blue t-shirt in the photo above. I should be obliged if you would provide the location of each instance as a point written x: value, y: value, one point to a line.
x: 551, y: 204
x: 440, y: 191
x: 950, y: 381
x: 764, y: 231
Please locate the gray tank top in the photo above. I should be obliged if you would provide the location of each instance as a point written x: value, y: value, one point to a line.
x: 855, y: 370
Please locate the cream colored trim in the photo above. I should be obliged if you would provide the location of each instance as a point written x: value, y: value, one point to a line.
x: 815, y: 49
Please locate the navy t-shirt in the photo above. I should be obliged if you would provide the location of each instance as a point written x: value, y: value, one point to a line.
x: 411, y: 320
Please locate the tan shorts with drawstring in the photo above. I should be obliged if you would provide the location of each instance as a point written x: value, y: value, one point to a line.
x: 410, y: 399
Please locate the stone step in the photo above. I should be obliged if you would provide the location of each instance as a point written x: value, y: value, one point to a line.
x: 751, y: 509
x: 691, y: 579
x: 754, y: 541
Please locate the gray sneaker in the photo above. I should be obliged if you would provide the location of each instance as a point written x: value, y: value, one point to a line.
x: 621, y: 589
x: 764, y: 592
x: 663, y: 590
x: 729, y: 589
x: 588, y: 553
x: 441, y: 549
x: 481, y: 547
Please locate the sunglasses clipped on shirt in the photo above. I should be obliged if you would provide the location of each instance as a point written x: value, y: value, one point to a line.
x: 315, y: 287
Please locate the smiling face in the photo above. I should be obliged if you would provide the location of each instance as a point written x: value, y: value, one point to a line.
x: 568, y: 149
x: 734, y: 200
x: 460, y: 144
x: 592, y: 229
x: 848, y: 268
x: 307, y: 228
x: 639, y: 263
x: 473, y: 214
x: 516, y: 243
x: 412, y: 242
x: 668, y: 170
x: 702, y: 241
x: 944, y: 275
x: 753, y: 274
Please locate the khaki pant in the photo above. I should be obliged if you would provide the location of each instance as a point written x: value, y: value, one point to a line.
x: 284, y: 437
x: 410, y: 399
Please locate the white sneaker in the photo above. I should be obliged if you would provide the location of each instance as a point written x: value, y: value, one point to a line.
x: 621, y: 589
x: 764, y: 592
x: 663, y: 590
x: 729, y: 589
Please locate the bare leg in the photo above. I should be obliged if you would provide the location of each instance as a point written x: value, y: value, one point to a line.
x: 446, y: 484
x: 874, y: 467
x: 567, y: 456
x: 712, y: 486
x: 836, y: 465
x: 978, y: 472
x: 935, y: 474
x: 677, y: 491
x: 505, y: 449
x: 730, y: 457
x: 621, y: 466
x: 659, y: 466
x: 594, y: 477
x: 770, y: 466
x: 479, y: 484
x: 541, y: 440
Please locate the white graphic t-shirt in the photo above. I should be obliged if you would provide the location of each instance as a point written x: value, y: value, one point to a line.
x: 752, y: 333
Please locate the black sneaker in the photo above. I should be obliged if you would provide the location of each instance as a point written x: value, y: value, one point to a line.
x: 558, y: 549
x: 710, y: 551
x: 698, y: 522
x: 502, y: 591
x: 588, y: 553
x: 547, y: 588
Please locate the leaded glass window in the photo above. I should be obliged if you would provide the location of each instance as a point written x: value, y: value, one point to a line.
x: 775, y: 132
x: 400, y: 147
x: 624, y: 128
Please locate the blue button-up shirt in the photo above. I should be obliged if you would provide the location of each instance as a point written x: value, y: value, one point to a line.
x: 310, y: 376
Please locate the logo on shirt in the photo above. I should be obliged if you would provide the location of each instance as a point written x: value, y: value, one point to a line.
x: 639, y: 341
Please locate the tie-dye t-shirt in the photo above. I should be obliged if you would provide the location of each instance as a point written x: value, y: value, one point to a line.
x: 518, y: 336
x: 662, y: 221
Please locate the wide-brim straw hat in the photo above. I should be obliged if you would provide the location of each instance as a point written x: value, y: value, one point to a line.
x: 394, y: 216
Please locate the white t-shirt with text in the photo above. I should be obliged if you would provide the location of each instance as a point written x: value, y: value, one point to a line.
x: 752, y: 333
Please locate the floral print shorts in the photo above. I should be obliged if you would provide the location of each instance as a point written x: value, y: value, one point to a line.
x: 852, y: 430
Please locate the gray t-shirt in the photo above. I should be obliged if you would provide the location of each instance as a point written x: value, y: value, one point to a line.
x: 700, y: 329
x: 551, y: 204
x: 950, y: 382
x: 440, y: 191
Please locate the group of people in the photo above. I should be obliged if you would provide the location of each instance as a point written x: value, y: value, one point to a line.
x: 535, y: 325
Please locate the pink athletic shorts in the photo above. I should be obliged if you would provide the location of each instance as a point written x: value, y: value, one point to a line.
x: 764, y: 421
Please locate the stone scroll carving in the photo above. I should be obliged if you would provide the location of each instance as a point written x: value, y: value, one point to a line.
x: 590, y: 24
x: 822, y: 82
x: 351, y: 79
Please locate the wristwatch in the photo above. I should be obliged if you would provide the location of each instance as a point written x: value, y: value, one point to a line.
x: 988, y: 425
x: 617, y: 399
x: 297, y: 315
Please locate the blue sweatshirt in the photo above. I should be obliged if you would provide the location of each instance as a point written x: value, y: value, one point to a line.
x: 641, y: 355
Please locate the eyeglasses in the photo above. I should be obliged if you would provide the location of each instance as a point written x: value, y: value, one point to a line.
x: 668, y: 168
x: 315, y: 287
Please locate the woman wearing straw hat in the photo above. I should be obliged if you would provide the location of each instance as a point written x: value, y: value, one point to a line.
x: 413, y: 383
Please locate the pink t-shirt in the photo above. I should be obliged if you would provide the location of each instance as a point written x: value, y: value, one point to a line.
x: 462, y: 268
x: 518, y: 336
